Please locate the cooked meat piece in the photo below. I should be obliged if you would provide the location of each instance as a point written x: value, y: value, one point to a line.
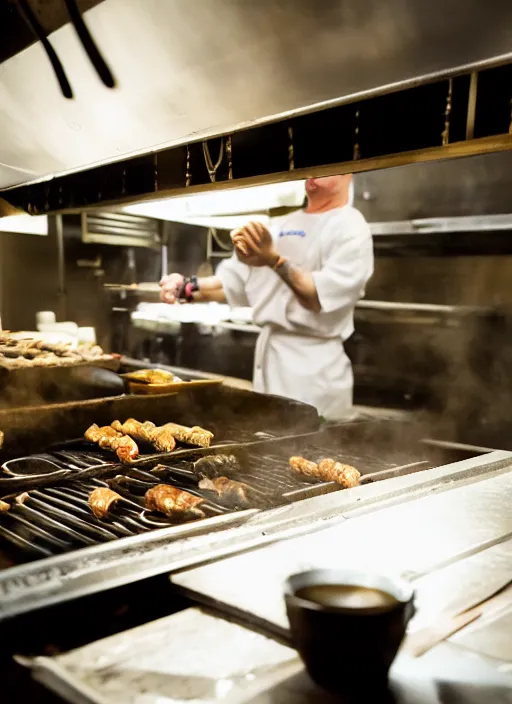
x: 136, y: 429
x: 169, y: 500
x: 153, y: 376
x: 303, y: 466
x: 328, y: 470
x: 4, y: 506
x: 2, y: 437
x: 192, y: 436
x: 226, y: 488
x: 125, y: 448
x: 161, y: 437
x: 109, y: 439
x: 30, y: 352
x: 334, y: 471
x: 100, y: 501
x: 216, y: 465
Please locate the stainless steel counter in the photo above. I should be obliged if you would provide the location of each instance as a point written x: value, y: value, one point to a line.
x: 451, y: 534
x: 417, y: 537
x: 194, y: 656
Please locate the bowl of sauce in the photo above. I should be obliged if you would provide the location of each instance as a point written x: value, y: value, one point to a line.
x: 348, y: 626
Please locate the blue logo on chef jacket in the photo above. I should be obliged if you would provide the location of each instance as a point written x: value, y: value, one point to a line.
x: 292, y: 233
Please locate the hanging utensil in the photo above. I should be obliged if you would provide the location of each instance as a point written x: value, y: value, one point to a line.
x: 36, y: 27
x: 89, y: 45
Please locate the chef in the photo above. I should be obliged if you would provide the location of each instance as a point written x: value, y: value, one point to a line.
x: 302, y: 276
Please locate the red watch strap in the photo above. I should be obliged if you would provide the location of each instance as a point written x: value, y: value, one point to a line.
x: 189, y: 289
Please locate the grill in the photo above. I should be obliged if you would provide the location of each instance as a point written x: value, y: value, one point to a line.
x: 49, y: 491
x: 53, y: 548
x: 58, y: 519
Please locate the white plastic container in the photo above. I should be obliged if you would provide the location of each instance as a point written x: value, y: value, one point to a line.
x: 68, y: 327
x: 87, y: 334
x: 45, y: 317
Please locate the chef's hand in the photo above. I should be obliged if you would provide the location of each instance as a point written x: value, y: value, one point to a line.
x: 254, y: 245
x: 170, y: 287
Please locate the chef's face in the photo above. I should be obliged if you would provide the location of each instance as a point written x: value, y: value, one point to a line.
x: 327, y: 186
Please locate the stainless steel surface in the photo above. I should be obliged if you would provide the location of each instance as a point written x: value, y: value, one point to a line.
x: 470, y: 120
x: 416, y: 537
x: 108, y: 565
x: 489, y: 636
x: 449, y: 445
x: 415, y: 312
x: 185, y: 75
x: 119, y: 229
x: 206, y: 660
x: 209, y: 659
x: 165, y: 254
x: 61, y: 268
x: 440, y: 190
x: 416, y: 307
x: 482, y: 575
x: 470, y: 223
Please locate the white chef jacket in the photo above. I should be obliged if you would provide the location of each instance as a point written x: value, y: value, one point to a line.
x: 299, y: 353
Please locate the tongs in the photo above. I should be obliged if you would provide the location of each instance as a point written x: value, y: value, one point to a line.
x: 85, y: 37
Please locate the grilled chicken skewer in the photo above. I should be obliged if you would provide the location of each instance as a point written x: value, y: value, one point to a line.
x: 161, y: 437
x: 101, y: 500
x: 226, y: 488
x: 4, y: 506
x: 109, y: 439
x: 171, y: 501
x: 164, y: 437
x: 327, y: 469
x: 191, y: 436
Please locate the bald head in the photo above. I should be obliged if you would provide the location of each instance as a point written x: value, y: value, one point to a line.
x: 327, y: 193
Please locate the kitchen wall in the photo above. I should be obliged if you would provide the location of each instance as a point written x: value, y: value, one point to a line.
x: 456, y: 280
x: 478, y: 185
x: 432, y: 274
x: 29, y: 274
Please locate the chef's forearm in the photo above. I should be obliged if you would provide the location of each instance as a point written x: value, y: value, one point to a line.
x: 301, y: 283
x: 210, y: 289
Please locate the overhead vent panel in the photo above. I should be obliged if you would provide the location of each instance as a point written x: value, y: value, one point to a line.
x: 188, y: 71
x: 120, y: 229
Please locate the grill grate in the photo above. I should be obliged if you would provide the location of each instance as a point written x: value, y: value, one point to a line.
x: 49, y: 492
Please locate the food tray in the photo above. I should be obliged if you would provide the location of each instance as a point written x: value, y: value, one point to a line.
x: 172, y: 387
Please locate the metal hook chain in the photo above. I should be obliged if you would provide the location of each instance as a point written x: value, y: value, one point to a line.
x: 291, y: 152
x: 445, y: 136
x: 212, y: 170
x: 357, y: 148
x: 188, y: 173
x: 229, y: 152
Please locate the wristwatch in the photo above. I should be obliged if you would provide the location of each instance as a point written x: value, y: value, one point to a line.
x: 188, y: 288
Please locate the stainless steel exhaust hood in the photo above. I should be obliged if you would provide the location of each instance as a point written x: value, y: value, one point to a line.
x: 189, y: 71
